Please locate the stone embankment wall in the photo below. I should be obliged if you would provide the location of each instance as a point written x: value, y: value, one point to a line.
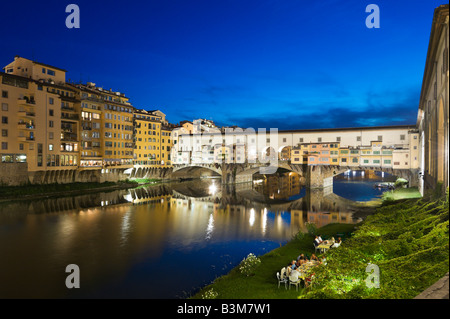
x: 13, y: 174
x: 16, y: 174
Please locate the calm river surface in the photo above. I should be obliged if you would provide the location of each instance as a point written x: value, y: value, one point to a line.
x: 163, y: 241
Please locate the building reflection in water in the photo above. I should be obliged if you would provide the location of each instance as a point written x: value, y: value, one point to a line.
x: 113, y: 235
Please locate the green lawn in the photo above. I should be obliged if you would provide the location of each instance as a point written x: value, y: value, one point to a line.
x: 401, y: 193
x: 408, y: 241
x: 264, y: 285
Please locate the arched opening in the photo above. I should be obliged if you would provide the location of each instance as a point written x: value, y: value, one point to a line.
x: 284, y: 185
x: 284, y: 153
x: 192, y: 172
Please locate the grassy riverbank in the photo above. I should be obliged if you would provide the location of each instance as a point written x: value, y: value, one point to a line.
x: 263, y: 285
x: 35, y: 191
x: 407, y: 240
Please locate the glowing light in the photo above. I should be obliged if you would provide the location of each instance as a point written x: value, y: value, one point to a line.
x: 210, y: 227
x: 212, y: 189
x: 252, y: 217
x: 264, y: 221
x: 128, y: 198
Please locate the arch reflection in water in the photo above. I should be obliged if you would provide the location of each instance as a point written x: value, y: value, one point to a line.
x: 125, y: 239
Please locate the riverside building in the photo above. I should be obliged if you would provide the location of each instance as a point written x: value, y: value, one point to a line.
x: 59, y: 132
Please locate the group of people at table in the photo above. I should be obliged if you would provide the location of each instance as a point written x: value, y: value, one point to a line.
x: 299, y: 269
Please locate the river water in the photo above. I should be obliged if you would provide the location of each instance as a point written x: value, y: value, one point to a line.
x: 163, y: 241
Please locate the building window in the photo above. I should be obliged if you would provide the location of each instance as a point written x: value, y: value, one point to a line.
x: 7, y: 158
x: 358, y: 138
x: 380, y: 138
x: 4, y: 145
x: 4, y: 119
x: 319, y: 139
x: 402, y: 137
x: 301, y: 139
x: 338, y: 138
x: 51, y: 101
x: 4, y: 107
x: 5, y: 94
x: 5, y: 133
x: 50, y: 123
x: 51, y: 72
x: 50, y: 112
x: 50, y: 147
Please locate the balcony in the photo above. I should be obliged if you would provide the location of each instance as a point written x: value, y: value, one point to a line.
x: 69, y: 137
x: 26, y: 114
x: 28, y: 126
x: 29, y: 101
x: 70, y: 117
x: 26, y: 139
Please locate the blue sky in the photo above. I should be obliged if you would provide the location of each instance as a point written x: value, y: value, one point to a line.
x: 288, y: 64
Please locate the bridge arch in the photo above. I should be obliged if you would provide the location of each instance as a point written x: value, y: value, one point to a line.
x: 197, y: 171
x: 284, y: 153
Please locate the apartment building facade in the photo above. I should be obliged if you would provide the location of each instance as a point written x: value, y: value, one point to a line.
x: 49, y: 125
x: 39, y: 124
x: 152, y: 143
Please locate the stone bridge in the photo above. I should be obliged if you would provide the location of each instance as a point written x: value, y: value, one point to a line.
x: 313, y: 176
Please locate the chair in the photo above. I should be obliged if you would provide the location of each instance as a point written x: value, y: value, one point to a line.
x: 316, y: 248
x: 282, y: 279
x: 309, y: 281
x: 294, y: 280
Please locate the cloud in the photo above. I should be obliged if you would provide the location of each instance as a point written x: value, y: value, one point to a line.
x: 378, y: 111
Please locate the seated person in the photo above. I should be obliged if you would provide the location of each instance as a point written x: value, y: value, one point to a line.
x: 337, y: 243
x: 294, y: 276
x: 308, y: 280
x: 314, y: 258
x: 317, y: 241
x: 288, y: 270
x: 293, y: 265
x: 301, y: 257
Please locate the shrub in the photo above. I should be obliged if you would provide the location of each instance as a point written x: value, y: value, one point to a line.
x: 249, y: 264
x: 210, y: 294
x: 312, y: 228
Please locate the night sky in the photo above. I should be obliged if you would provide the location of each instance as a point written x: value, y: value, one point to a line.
x: 287, y: 64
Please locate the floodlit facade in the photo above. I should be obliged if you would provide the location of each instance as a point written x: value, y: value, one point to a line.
x: 53, y: 130
x: 39, y: 123
x: 352, y: 147
x: 433, y: 115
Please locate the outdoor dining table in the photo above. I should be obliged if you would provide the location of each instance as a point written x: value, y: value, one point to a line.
x: 325, y: 246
